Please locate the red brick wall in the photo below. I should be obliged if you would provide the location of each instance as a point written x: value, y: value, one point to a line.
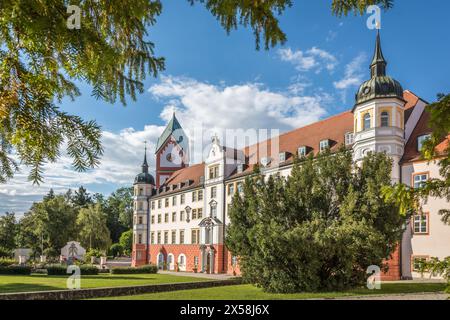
x: 190, y: 251
x: 394, y: 272
x: 135, y: 260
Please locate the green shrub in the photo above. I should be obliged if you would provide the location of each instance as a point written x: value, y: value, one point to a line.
x: 59, y: 270
x: 88, y: 269
x: 130, y: 270
x: 5, y: 253
x: 56, y: 270
x: 115, y: 250
x: 4, y: 262
x: 22, y: 270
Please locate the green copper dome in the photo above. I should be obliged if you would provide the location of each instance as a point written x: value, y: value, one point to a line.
x: 380, y: 85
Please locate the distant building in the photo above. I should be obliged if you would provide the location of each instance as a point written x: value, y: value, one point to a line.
x: 180, y: 218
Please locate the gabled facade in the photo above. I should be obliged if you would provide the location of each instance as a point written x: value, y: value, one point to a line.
x: 188, y: 208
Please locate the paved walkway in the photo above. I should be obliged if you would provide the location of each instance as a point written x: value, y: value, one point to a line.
x: 406, y: 296
x: 220, y: 276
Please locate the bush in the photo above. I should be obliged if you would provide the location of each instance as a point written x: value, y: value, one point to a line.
x: 22, y: 270
x: 116, y: 250
x: 88, y: 269
x: 4, y: 262
x: 56, y: 270
x: 59, y: 270
x: 130, y: 270
x: 93, y: 253
x: 5, y: 253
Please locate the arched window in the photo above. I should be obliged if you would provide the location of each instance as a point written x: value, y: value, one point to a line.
x: 385, y: 119
x: 366, y: 121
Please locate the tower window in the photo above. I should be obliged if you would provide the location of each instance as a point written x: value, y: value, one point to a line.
x: 366, y: 121
x: 385, y: 119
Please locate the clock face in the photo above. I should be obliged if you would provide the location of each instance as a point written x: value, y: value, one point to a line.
x: 169, y: 157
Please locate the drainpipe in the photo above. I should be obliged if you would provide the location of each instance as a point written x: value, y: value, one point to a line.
x: 400, y: 253
x: 224, y: 201
x: 147, y: 260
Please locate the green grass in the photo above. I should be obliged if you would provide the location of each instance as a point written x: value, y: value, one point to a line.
x: 249, y: 292
x: 18, y: 283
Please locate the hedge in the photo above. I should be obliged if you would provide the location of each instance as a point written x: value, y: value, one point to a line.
x: 130, y: 270
x: 53, y: 270
x: 4, y: 262
x: 22, y: 270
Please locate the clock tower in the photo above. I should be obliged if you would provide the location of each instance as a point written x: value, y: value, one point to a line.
x: 172, y: 151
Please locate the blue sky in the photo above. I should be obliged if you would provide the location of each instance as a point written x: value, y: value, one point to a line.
x: 223, y: 81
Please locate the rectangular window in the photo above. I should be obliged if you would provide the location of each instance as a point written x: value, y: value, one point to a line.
x: 214, y: 172
x: 139, y: 238
x: 174, y: 216
x: 159, y: 204
x: 349, y: 138
x: 421, y: 139
x: 181, y: 236
x: 324, y: 144
x: 419, y: 180
x: 418, y: 262
x: 194, y: 196
x: 153, y: 205
x: 200, y: 213
x: 301, y: 151
x: 159, y: 218
x: 421, y: 223
x: 159, y: 237
x: 181, y: 215
x: 240, y: 187
x: 213, y: 192
x: 140, y: 220
x: 200, y: 195
x: 166, y: 237
x: 153, y: 219
x: 182, y: 198
x: 174, y: 237
x: 152, y: 237
x: 194, y: 213
x: 166, y: 202
x: 140, y: 205
x: 166, y: 217
x: 174, y: 200
x: 195, y: 236
x: 231, y: 189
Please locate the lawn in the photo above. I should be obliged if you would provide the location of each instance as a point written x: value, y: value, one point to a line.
x: 249, y: 292
x: 17, y: 283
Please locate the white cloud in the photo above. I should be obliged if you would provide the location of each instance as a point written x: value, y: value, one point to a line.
x: 312, y: 59
x: 214, y: 107
x: 353, y: 75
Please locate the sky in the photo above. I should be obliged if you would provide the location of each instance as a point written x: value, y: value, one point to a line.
x: 218, y: 81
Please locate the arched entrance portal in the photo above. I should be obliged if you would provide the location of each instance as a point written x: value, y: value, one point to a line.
x: 160, y: 261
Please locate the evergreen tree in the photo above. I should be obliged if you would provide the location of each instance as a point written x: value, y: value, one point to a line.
x: 319, y: 229
x: 8, y: 232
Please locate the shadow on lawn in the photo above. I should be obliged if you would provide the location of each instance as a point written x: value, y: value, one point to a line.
x: 25, y: 287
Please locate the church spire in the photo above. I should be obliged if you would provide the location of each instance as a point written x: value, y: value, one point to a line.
x: 145, y: 164
x: 378, y: 65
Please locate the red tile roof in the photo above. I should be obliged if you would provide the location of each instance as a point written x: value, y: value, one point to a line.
x: 194, y: 173
x: 333, y: 128
x: 411, y: 153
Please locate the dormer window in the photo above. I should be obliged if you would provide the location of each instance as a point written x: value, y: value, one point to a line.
x: 421, y: 139
x: 349, y: 138
x: 324, y: 144
x: 302, y: 151
x: 282, y: 156
x: 213, y: 172
x: 265, y: 161
x: 240, y: 168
